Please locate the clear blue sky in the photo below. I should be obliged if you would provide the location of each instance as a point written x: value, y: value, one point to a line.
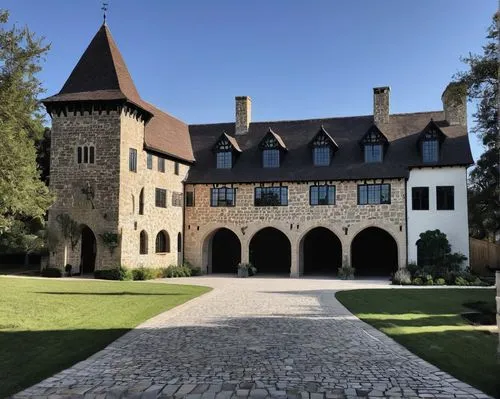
x: 297, y: 59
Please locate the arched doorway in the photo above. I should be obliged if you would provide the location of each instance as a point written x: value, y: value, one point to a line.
x: 374, y: 252
x: 270, y: 251
x: 321, y: 252
x: 225, y: 251
x: 88, y: 250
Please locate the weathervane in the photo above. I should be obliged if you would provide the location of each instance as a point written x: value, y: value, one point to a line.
x: 104, y: 8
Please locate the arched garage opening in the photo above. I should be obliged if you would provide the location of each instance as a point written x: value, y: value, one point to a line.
x: 270, y: 251
x: 225, y: 251
x: 374, y: 252
x: 321, y: 251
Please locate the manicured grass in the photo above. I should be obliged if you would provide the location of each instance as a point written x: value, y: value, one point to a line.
x: 428, y: 323
x: 47, y: 325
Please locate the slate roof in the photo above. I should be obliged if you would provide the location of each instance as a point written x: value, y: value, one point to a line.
x: 102, y: 75
x: 402, y: 132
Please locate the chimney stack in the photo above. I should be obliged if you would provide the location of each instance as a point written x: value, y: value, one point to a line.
x: 381, y: 104
x: 454, y: 100
x: 243, y: 114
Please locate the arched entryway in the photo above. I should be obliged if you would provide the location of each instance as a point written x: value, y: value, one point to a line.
x: 321, y: 252
x: 225, y: 251
x: 88, y: 250
x: 270, y: 251
x: 374, y: 252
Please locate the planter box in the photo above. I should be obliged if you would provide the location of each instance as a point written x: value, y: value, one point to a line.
x: 242, y: 272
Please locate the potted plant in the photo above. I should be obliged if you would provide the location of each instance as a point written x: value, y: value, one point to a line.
x: 67, y: 269
x: 246, y: 269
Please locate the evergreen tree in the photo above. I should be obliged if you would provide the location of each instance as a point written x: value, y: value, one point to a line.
x: 481, y: 80
x: 24, y: 198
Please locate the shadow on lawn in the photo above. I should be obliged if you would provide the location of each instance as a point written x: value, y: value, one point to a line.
x: 108, y: 293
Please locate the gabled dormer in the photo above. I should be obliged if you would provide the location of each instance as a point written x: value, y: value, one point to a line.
x: 430, y: 141
x: 323, y: 147
x: 273, y: 148
x: 374, y: 145
x: 226, y: 150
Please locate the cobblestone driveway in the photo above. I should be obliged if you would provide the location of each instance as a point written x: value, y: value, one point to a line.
x: 258, y: 337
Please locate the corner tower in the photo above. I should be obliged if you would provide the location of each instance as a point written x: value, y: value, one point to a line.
x: 88, y: 154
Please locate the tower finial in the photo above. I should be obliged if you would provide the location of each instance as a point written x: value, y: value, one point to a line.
x: 104, y: 8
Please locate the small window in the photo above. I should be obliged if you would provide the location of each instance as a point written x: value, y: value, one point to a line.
x: 179, y: 242
x: 162, y: 244
x: 321, y: 156
x: 161, y: 164
x: 430, y: 150
x: 189, y: 198
x: 176, y: 168
x: 445, y: 198
x: 373, y: 194
x: 161, y: 198
x: 224, y: 160
x: 322, y: 195
x: 85, y: 154
x: 271, y: 158
x: 420, y: 198
x: 223, y: 196
x: 143, y: 243
x: 271, y: 196
x: 141, y: 202
x: 150, y: 161
x: 177, y: 199
x: 373, y: 153
x: 132, y: 160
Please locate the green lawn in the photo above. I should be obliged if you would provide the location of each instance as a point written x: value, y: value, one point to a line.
x: 428, y: 323
x: 47, y: 325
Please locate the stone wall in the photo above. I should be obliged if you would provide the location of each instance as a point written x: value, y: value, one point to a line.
x: 67, y: 178
x: 346, y: 219
x: 154, y: 218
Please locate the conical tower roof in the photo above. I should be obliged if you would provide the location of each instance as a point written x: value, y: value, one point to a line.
x: 100, y: 74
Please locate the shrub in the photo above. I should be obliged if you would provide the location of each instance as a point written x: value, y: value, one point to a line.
x: 417, y: 281
x: 346, y: 272
x: 176, y: 271
x: 440, y: 281
x: 195, y: 271
x: 428, y: 280
x: 143, y: 273
x: 51, y: 272
x: 461, y: 281
x: 68, y: 269
x: 402, y: 276
x: 119, y: 273
x: 412, y: 267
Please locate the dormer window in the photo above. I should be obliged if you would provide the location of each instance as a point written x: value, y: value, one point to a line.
x: 429, y: 142
x: 225, y: 149
x: 323, y: 147
x: 272, y: 147
x: 374, y: 143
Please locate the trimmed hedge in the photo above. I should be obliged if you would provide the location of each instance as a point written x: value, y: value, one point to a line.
x: 120, y: 273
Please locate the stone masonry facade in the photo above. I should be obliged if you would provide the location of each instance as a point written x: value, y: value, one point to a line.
x: 115, y: 204
x: 345, y: 219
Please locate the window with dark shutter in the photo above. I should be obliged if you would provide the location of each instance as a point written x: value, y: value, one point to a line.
x: 445, y: 198
x: 189, y: 198
x: 420, y: 198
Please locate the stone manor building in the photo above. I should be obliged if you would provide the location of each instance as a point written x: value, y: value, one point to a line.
x: 294, y: 197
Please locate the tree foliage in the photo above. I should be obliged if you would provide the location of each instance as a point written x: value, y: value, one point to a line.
x: 481, y: 80
x: 24, y: 198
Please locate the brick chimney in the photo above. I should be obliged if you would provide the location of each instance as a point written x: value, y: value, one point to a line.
x: 381, y: 104
x: 454, y: 100
x: 243, y: 114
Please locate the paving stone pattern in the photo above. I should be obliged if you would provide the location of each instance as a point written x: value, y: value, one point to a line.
x: 255, y: 338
